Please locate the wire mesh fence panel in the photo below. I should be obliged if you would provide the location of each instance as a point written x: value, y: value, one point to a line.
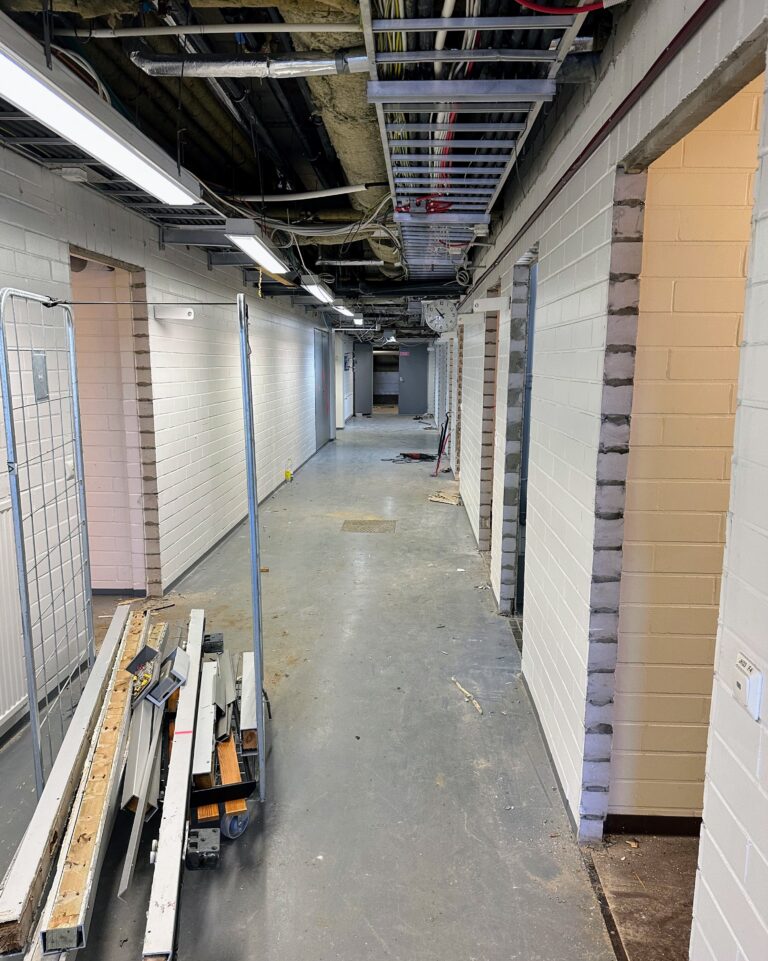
x: 45, y: 478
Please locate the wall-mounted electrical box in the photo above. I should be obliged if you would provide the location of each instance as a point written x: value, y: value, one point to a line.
x: 748, y: 685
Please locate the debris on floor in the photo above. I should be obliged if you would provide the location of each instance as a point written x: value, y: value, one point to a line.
x: 147, y: 734
x: 469, y: 697
x: 410, y: 457
x: 648, y: 882
x: 446, y: 497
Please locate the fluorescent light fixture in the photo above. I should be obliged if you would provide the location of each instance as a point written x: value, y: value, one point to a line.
x: 247, y: 235
x: 31, y: 90
x: 343, y: 310
x: 358, y: 320
x: 314, y: 286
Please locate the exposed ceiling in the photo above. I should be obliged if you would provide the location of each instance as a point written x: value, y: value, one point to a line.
x: 428, y: 130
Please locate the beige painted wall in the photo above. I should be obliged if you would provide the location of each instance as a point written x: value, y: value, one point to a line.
x: 109, y: 411
x: 696, y: 238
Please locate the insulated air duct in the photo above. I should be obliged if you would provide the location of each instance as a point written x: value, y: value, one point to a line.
x: 276, y: 67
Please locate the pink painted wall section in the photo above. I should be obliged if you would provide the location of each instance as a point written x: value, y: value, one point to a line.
x: 105, y: 362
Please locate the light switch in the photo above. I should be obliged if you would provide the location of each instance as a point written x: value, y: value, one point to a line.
x: 748, y: 685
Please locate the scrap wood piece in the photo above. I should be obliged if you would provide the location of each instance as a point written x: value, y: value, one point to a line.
x: 71, y: 900
x: 446, y: 497
x: 26, y: 878
x: 229, y: 767
x: 468, y: 696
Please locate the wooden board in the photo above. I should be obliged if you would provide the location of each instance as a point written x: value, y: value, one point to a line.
x: 75, y: 888
x: 230, y: 773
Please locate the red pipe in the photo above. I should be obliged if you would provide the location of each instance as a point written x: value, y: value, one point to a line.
x: 546, y: 8
x: 689, y: 29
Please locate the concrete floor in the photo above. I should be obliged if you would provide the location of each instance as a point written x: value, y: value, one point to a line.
x: 400, y: 823
x: 649, y: 881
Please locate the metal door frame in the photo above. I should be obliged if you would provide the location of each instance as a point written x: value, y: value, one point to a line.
x: 6, y: 295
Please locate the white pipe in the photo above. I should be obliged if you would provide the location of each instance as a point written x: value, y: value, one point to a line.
x: 440, y: 36
x: 306, y: 195
x: 209, y: 28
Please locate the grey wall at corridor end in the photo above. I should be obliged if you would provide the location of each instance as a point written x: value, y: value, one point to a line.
x: 363, y: 379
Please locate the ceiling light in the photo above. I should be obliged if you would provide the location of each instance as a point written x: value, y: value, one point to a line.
x: 247, y: 235
x: 33, y: 93
x: 343, y: 310
x: 313, y: 285
x: 358, y: 320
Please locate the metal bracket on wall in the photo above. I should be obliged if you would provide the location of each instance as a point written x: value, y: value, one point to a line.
x: 484, y: 304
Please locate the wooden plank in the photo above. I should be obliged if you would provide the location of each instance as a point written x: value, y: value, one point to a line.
x: 72, y: 898
x: 29, y: 871
x: 207, y: 812
x: 230, y: 773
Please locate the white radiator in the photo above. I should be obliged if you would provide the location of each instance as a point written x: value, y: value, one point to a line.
x: 13, y: 691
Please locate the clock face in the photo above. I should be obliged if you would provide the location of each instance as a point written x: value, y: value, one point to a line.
x: 440, y: 315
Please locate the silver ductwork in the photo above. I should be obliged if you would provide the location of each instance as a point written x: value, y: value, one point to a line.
x: 276, y: 67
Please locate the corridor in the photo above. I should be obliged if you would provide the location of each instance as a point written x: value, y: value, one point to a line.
x: 399, y: 823
x: 530, y: 725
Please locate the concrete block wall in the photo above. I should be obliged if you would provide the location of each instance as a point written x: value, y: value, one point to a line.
x: 575, y: 233
x: 457, y: 362
x: 194, y: 366
x: 478, y: 422
x: 730, y: 916
x: 566, y: 409
x: 508, y: 433
x: 471, y: 414
x: 692, y: 287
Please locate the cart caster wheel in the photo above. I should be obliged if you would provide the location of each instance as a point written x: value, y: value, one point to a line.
x: 234, y: 825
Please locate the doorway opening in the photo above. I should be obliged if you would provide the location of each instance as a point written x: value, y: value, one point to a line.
x: 413, y: 386
x: 106, y: 367
x: 386, y: 380
x: 695, y: 238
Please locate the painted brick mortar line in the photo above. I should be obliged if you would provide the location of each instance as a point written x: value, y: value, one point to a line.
x: 148, y: 449
x: 612, y: 459
x: 520, y: 296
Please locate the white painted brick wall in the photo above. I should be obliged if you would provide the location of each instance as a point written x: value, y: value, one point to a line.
x: 194, y: 366
x: 472, y: 420
x: 574, y: 259
x: 453, y: 401
x: 574, y: 233
x: 730, y: 920
x: 499, y: 448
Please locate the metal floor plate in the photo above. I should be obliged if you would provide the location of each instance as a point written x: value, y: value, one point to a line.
x: 369, y: 526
